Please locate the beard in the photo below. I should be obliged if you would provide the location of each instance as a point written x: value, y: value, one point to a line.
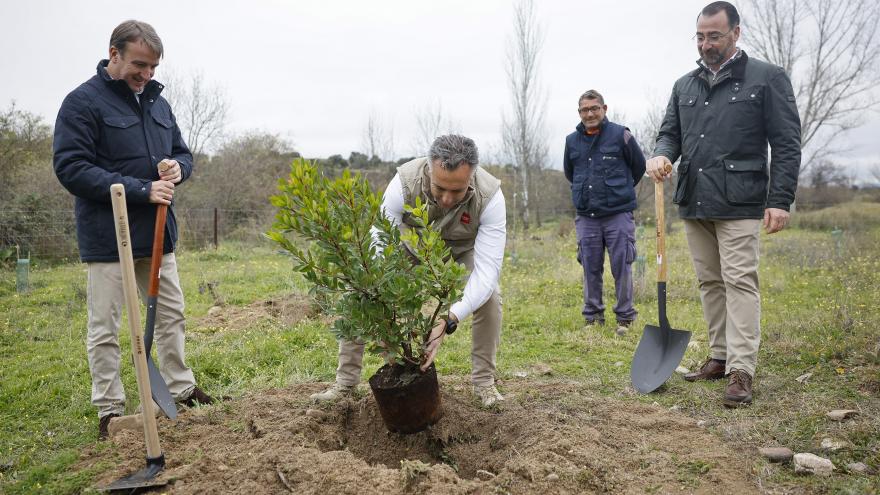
x: 711, y: 56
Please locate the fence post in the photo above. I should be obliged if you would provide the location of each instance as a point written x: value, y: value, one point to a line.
x: 216, y: 245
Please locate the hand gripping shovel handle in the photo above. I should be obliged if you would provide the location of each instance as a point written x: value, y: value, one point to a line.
x: 129, y: 289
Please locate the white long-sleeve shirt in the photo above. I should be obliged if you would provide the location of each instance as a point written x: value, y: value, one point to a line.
x: 488, y: 247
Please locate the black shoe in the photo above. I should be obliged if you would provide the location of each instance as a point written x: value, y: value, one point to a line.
x: 104, y: 425
x: 198, y: 397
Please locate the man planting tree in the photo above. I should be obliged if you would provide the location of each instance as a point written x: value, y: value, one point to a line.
x: 466, y: 205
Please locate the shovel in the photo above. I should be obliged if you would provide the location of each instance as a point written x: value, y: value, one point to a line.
x: 161, y: 394
x: 155, y: 458
x: 662, y: 347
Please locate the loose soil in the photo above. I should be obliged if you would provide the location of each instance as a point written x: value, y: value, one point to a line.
x: 289, y: 310
x: 549, y: 436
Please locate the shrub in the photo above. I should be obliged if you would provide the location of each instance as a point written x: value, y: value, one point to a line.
x: 378, y: 277
x: 853, y: 216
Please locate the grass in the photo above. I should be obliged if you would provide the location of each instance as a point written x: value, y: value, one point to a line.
x: 818, y: 317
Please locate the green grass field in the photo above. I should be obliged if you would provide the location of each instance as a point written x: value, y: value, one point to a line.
x: 818, y: 317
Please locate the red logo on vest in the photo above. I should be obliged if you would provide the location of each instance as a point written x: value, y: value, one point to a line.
x: 465, y: 218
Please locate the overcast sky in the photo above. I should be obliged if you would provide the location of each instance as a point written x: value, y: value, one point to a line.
x: 312, y: 71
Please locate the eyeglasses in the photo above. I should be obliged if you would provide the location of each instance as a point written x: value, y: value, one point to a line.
x: 713, y: 37
x: 588, y: 110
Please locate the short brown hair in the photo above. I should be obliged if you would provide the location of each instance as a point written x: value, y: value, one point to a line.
x: 132, y: 31
x: 591, y: 94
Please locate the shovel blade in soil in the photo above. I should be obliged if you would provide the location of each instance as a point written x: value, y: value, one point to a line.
x: 660, y: 351
x: 143, y: 479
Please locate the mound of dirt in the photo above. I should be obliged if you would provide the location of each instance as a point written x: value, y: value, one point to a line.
x: 547, y: 437
x: 288, y: 310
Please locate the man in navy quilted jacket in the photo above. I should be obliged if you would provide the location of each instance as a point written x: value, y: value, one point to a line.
x: 116, y: 128
x: 603, y: 162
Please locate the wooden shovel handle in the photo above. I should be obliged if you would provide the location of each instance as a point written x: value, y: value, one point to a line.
x: 158, y: 247
x: 660, y: 213
x: 132, y: 305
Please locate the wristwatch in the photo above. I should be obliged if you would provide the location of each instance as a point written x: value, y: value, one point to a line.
x: 451, y: 326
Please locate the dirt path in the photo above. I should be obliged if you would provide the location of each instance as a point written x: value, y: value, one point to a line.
x: 548, y: 437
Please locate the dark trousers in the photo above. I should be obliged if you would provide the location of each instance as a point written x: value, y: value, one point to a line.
x: 616, y: 233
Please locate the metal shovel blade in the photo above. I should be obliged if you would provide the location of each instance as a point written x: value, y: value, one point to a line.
x: 158, y: 388
x: 143, y: 479
x: 161, y: 395
x: 660, y: 351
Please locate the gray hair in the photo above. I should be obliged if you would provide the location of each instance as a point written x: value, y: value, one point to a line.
x: 591, y: 94
x: 132, y: 31
x: 452, y: 150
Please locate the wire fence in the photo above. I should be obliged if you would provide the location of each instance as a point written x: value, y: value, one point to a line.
x: 50, y: 235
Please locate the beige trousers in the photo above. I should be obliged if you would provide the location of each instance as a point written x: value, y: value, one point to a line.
x: 725, y: 257
x: 485, y: 337
x: 105, y: 303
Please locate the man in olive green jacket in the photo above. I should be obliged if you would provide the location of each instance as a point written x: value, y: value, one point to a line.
x: 719, y: 121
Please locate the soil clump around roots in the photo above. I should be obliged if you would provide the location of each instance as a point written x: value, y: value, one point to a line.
x: 547, y: 437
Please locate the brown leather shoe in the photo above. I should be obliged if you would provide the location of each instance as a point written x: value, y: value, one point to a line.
x: 739, y: 389
x: 198, y: 397
x: 711, y: 369
x: 104, y: 426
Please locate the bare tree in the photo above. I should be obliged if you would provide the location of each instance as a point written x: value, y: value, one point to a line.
x: 524, y: 133
x: 829, y: 48
x: 875, y: 172
x: 430, y: 123
x: 377, y: 140
x: 826, y: 173
x: 645, y: 132
x: 201, y: 108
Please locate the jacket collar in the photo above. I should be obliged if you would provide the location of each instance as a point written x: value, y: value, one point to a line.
x: 737, y: 67
x: 582, y: 129
x: 151, y: 90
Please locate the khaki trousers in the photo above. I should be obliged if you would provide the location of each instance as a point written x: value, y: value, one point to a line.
x: 485, y: 337
x: 105, y: 303
x: 725, y: 257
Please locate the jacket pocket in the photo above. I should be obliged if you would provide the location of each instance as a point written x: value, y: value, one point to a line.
x: 121, y: 139
x: 681, y: 183
x: 745, y: 181
x: 618, y: 190
x: 753, y: 94
x: 164, y: 129
x: 579, y: 198
x: 687, y: 100
x: 578, y: 170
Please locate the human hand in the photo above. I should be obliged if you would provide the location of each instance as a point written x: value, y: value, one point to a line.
x: 161, y: 192
x: 438, y: 333
x: 658, y: 168
x: 170, y: 170
x: 775, y: 219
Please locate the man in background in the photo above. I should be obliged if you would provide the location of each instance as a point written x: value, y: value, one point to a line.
x: 603, y: 162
